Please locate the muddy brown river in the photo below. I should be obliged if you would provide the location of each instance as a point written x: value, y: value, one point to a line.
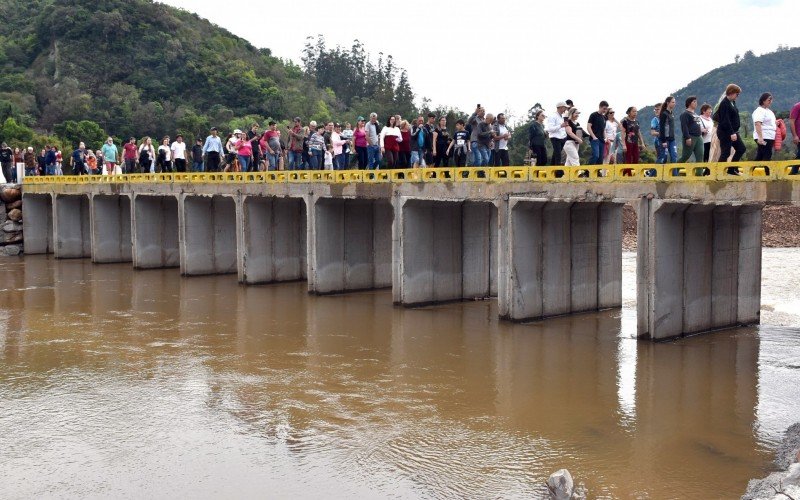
x: 117, y: 383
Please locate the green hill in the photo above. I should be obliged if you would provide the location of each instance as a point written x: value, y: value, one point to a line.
x: 775, y: 72
x: 135, y: 67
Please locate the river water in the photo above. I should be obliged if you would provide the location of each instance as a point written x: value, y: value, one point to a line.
x: 130, y: 384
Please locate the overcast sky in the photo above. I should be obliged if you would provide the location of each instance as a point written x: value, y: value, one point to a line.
x: 512, y: 54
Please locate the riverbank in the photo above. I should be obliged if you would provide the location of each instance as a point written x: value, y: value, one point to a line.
x: 780, y: 227
x: 785, y: 483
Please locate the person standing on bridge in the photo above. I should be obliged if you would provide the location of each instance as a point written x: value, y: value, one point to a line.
x: 597, y: 130
x: 296, y: 137
x: 212, y: 148
x: 692, y: 132
x: 634, y: 142
x: 794, y: 125
x: 79, y: 160
x: 110, y: 154
x: 147, y: 156
x: 536, y: 138
x: 164, y: 156
x: 556, y: 127
x: 129, y: 155
x: 707, y: 124
x: 764, y: 127
x: 727, y: 118
x: 373, y: 129
x: 178, y: 150
x: 574, y: 138
x: 666, y: 131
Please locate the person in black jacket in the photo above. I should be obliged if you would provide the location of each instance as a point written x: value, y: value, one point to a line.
x: 666, y: 131
x: 727, y: 117
x: 536, y: 138
x: 692, y: 133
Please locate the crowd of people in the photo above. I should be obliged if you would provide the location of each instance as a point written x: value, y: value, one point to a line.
x: 709, y: 134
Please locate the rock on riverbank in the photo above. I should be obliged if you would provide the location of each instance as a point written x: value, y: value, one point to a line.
x: 11, y: 220
x: 786, y: 483
x: 780, y: 227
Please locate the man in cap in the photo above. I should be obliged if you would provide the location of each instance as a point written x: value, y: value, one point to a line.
x: 212, y: 148
x: 556, y: 127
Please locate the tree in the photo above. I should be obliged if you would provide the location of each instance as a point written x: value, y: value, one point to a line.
x: 88, y: 132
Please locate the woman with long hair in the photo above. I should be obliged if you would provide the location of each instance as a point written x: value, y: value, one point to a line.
x: 612, y: 135
x: 666, y: 131
x: 404, y: 158
x: 147, y: 155
x: 164, y: 156
x: 633, y: 143
x: 574, y: 138
x: 390, y: 139
x: 536, y: 138
x: 360, y: 142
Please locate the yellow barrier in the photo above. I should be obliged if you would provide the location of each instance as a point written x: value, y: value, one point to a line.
x: 671, y: 172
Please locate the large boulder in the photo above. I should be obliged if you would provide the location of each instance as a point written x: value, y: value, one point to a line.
x: 560, y: 485
x: 10, y: 194
x: 12, y: 227
x: 14, y: 204
x: 15, y: 215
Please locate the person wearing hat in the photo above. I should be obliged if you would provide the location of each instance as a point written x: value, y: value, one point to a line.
x: 212, y: 149
x: 556, y: 127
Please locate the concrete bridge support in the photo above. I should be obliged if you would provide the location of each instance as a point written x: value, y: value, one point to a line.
x: 155, y: 232
x: 207, y: 234
x: 698, y: 267
x: 351, y: 245
x: 272, y: 236
x: 560, y: 257
x: 38, y: 208
x: 444, y: 250
x: 111, y: 228
x: 71, y: 227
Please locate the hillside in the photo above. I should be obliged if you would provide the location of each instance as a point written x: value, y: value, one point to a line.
x: 135, y: 67
x: 775, y: 72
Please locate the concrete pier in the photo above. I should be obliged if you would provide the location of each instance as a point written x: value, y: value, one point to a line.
x: 560, y: 257
x: 444, y: 250
x: 155, y: 232
x: 352, y: 245
x: 207, y: 235
x: 38, y: 234
x: 272, y: 236
x: 71, y: 227
x: 111, y: 229
x: 699, y: 267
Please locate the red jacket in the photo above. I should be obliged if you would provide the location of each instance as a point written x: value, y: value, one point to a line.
x: 780, y: 134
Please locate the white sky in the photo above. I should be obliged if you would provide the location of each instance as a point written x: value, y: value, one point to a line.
x: 512, y: 54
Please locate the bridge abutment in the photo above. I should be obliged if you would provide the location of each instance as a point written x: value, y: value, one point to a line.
x: 71, y: 226
x: 208, y: 243
x: 351, y: 245
x: 444, y: 251
x: 111, y: 228
x: 38, y: 208
x: 155, y: 232
x: 560, y: 257
x: 272, y: 233
x: 698, y: 267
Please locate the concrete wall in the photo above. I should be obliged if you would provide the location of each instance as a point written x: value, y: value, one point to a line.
x: 71, y: 227
x: 37, y: 210
x: 699, y: 267
x: 111, y: 229
x: 207, y: 235
x: 155, y: 232
x: 444, y: 250
x: 273, y: 239
x: 560, y: 257
x: 352, y: 242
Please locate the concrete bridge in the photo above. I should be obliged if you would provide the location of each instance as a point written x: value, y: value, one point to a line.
x: 544, y: 241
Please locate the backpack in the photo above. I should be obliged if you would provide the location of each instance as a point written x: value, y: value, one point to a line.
x: 144, y: 156
x: 421, y: 138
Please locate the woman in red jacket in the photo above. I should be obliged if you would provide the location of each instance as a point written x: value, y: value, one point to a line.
x: 390, y: 140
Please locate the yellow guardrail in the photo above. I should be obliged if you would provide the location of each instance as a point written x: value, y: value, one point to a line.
x: 671, y: 172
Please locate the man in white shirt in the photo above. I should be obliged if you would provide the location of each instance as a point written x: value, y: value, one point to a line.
x: 556, y: 128
x: 501, y: 135
x: 178, y: 149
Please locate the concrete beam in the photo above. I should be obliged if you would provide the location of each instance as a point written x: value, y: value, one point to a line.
x: 71, y: 227
x: 351, y: 245
x: 207, y: 235
x: 563, y: 257
x: 155, y: 232
x: 444, y: 251
x: 111, y: 229
x: 37, y: 214
x: 273, y: 239
x: 699, y: 265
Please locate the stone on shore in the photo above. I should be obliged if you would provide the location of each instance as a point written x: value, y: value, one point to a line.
x: 15, y: 215
x: 12, y: 250
x: 786, y: 483
x: 14, y: 204
x: 12, y: 227
x: 10, y: 194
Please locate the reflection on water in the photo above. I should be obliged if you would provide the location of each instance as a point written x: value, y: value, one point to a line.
x: 122, y: 383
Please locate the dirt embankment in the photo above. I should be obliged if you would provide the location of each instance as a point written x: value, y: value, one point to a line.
x: 780, y: 227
